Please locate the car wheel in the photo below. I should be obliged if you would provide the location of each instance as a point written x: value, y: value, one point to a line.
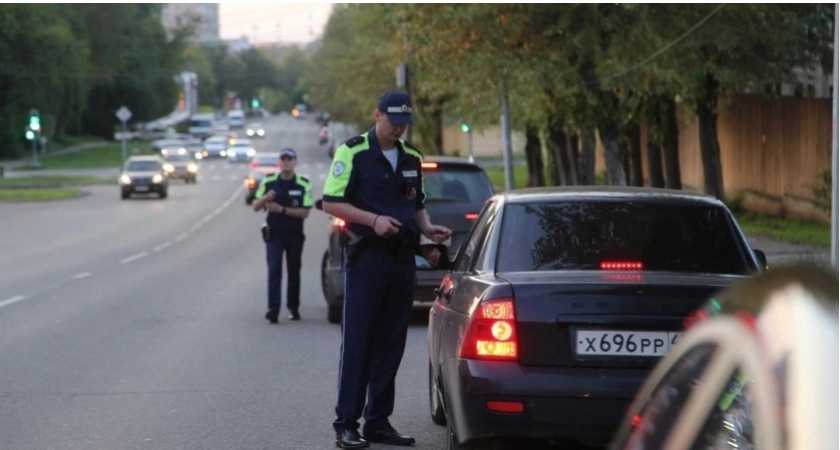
x: 435, y: 405
x: 163, y: 194
x: 325, y: 262
x: 125, y: 195
x: 249, y: 200
x: 335, y: 313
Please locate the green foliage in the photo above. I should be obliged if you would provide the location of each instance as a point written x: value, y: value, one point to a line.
x: 38, y: 194
x: 821, y: 190
x: 788, y: 230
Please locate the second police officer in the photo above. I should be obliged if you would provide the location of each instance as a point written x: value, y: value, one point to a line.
x: 287, y: 197
x: 375, y: 185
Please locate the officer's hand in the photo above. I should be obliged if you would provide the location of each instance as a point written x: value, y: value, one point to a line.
x: 386, y: 226
x: 437, y: 233
x: 269, y: 196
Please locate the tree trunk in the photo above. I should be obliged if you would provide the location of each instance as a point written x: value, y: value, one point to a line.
x: 437, y: 124
x: 670, y: 144
x: 709, y: 147
x: 572, y: 159
x: 612, y: 154
x: 587, y: 156
x: 654, y: 140
x: 634, y: 155
x: 533, y: 155
x: 556, y: 148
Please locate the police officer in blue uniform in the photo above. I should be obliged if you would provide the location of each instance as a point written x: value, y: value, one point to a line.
x: 375, y: 185
x: 287, y: 197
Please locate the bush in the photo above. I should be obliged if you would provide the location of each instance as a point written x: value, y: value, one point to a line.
x: 821, y: 190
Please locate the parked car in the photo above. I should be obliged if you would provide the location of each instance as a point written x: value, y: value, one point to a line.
x: 756, y: 369
x: 143, y: 175
x: 180, y: 165
x: 561, y: 300
x: 455, y: 189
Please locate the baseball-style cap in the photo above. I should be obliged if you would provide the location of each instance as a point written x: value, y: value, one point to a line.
x: 288, y: 152
x: 397, y: 106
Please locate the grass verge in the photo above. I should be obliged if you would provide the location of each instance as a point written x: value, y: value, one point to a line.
x: 783, y: 229
x: 37, y: 194
x: 107, y: 156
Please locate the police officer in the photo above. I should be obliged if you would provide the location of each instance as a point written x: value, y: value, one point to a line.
x: 375, y: 185
x: 287, y: 197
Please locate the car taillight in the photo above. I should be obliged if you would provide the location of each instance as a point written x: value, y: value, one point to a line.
x: 621, y: 265
x: 340, y: 223
x: 253, y: 164
x: 250, y: 183
x: 471, y: 216
x: 429, y: 165
x: 491, y: 333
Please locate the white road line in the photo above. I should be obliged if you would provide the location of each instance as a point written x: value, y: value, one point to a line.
x: 218, y: 211
x: 322, y: 176
x: 180, y: 237
x: 195, y: 227
x: 320, y: 165
x: 9, y: 301
x: 134, y: 258
x: 161, y: 246
x: 79, y: 276
x: 207, y: 218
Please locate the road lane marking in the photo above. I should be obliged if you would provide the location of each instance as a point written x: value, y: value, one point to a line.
x: 161, y: 246
x: 322, y: 176
x: 180, y: 237
x: 79, y: 276
x: 134, y: 258
x: 207, y: 218
x: 12, y: 300
x: 320, y: 165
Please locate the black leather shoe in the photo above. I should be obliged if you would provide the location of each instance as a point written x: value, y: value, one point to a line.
x: 294, y: 315
x: 388, y: 435
x: 350, y: 439
x: 271, y: 316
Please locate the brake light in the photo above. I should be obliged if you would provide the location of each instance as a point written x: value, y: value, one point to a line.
x: 250, y: 183
x: 621, y: 265
x: 340, y: 223
x: 253, y: 164
x: 429, y: 165
x: 506, y: 407
x: 471, y: 216
x: 491, y: 333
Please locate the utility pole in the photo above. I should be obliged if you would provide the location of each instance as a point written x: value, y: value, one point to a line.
x: 506, y: 148
x: 834, y: 158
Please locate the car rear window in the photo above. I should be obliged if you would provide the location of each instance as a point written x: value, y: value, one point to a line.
x: 179, y: 157
x: 456, y: 184
x: 583, y: 235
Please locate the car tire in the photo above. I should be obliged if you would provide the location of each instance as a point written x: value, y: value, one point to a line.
x: 325, y: 261
x: 163, y: 194
x: 125, y: 195
x: 435, y: 404
x: 335, y: 313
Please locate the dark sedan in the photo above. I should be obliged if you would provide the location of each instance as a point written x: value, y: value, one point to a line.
x: 455, y: 189
x: 560, y: 302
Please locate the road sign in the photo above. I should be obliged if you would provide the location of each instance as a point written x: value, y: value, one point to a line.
x: 123, y: 114
x: 122, y: 135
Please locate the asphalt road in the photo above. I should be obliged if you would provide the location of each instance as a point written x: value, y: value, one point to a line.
x: 139, y: 324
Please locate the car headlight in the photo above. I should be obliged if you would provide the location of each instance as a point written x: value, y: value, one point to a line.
x: 223, y: 153
x: 192, y: 168
x: 198, y: 155
x: 157, y: 178
x: 182, y: 151
x: 168, y: 168
x: 125, y: 179
x: 250, y: 132
x: 252, y: 152
x: 164, y: 152
x: 261, y: 132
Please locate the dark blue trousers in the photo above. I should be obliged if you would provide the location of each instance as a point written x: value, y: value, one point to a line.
x: 378, y: 296
x: 292, y: 245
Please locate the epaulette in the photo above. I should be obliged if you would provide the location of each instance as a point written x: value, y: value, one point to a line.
x: 354, y: 141
x: 412, y: 146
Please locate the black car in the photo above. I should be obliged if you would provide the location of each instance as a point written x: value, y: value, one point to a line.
x: 455, y: 189
x: 252, y: 183
x: 143, y: 175
x: 560, y: 302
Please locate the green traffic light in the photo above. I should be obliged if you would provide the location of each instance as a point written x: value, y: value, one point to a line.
x: 30, y: 135
x: 255, y: 103
x: 465, y: 128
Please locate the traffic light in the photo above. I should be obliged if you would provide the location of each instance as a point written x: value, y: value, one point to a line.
x: 34, y: 120
x: 255, y: 103
x: 30, y: 135
x: 465, y: 128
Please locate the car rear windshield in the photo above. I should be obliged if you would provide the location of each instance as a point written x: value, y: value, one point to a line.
x: 143, y: 166
x: 456, y: 184
x: 200, y: 123
x: 607, y: 235
x: 179, y: 157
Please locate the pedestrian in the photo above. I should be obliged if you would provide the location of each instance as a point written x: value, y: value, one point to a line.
x: 287, y: 197
x: 375, y: 185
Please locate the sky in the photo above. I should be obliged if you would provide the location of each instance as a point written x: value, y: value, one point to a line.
x: 266, y: 22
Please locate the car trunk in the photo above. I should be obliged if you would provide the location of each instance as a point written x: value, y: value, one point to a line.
x: 604, y: 319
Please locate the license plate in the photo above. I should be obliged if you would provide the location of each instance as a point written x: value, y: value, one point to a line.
x: 625, y: 343
x: 424, y: 241
x: 141, y: 188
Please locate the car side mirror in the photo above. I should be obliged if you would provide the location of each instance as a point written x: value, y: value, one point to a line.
x: 762, y: 259
x: 432, y: 257
x: 319, y: 205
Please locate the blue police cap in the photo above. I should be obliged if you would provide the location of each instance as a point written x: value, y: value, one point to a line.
x: 288, y: 152
x: 397, y: 106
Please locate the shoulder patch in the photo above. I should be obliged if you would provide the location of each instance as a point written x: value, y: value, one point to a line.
x: 354, y: 141
x: 412, y: 146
